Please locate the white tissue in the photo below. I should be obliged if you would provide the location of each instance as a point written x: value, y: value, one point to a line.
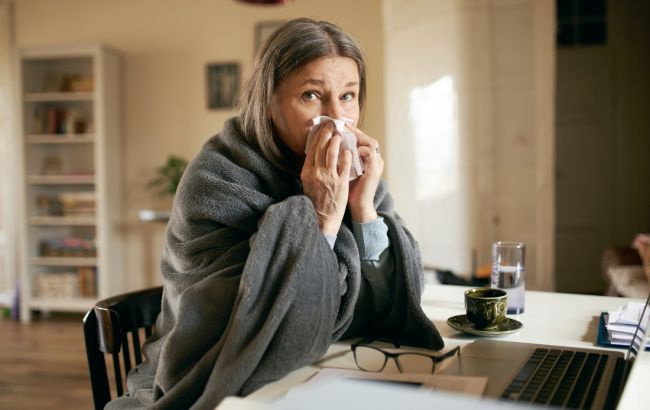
x: 348, y: 141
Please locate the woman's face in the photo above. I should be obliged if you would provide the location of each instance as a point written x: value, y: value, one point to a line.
x: 326, y: 86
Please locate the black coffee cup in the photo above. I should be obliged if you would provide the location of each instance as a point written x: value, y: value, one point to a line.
x: 486, y: 307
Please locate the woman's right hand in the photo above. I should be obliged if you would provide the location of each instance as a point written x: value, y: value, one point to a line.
x: 325, y: 178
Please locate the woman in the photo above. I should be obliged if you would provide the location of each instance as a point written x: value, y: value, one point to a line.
x: 272, y: 253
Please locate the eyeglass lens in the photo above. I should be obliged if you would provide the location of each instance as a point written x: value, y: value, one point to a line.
x: 415, y: 363
x: 371, y: 359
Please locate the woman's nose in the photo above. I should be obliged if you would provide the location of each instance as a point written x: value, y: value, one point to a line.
x: 333, y: 109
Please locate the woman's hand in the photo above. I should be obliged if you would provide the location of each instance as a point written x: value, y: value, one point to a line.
x: 325, y: 178
x: 362, y: 189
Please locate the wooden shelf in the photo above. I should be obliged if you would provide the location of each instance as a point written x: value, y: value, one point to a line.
x: 60, y: 138
x: 64, y: 261
x: 62, y: 220
x: 62, y: 96
x: 63, y: 304
x: 61, y: 179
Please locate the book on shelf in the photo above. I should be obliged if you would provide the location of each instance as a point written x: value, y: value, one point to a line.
x: 60, y: 121
x: 87, y: 282
x: 81, y: 282
x: 69, y: 246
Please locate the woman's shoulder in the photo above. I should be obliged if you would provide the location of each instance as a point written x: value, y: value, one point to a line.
x: 229, y: 140
x: 227, y: 158
x: 229, y: 149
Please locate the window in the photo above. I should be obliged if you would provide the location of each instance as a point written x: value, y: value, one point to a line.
x: 581, y: 22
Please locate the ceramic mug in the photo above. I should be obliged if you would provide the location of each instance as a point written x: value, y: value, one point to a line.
x: 486, y: 307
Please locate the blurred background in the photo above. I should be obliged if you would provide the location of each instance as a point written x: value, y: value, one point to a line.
x: 520, y: 120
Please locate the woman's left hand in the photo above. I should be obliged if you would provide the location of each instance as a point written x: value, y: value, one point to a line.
x: 362, y: 190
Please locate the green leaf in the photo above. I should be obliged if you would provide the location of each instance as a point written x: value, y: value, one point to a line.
x: 168, y: 176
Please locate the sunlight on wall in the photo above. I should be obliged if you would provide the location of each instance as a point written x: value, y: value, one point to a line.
x: 434, y: 118
x: 440, y: 195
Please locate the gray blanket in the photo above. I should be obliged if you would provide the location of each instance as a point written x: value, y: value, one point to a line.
x: 252, y: 289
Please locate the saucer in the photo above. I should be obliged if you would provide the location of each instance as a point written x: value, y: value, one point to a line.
x: 461, y: 324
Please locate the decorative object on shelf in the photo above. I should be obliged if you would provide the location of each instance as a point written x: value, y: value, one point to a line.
x: 48, y: 205
x: 69, y: 82
x: 222, y: 85
x: 74, y: 122
x: 52, y: 165
x: 76, y: 83
x: 168, y: 176
x: 264, y: 29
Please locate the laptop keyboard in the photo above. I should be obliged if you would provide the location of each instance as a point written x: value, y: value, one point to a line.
x: 559, y: 378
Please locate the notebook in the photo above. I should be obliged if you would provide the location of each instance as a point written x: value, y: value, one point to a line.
x: 565, y: 377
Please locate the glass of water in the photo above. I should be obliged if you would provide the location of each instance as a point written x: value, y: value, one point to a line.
x: 508, y: 271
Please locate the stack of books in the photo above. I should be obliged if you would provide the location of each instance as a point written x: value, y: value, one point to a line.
x: 78, y: 203
x: 67, y: 247
x: 66, y: 285
x: 617, y: 327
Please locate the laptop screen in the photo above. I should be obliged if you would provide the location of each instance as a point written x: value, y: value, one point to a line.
x: 640, y: 334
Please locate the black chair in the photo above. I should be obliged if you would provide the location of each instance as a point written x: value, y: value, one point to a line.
x: 107, y: 327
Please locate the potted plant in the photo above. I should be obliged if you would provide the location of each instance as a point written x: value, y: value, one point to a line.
x: 168, y: 176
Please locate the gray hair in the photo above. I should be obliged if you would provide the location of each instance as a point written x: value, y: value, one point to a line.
x: 289, y: 48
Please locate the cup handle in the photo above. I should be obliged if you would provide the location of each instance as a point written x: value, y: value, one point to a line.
x: 494, y: 309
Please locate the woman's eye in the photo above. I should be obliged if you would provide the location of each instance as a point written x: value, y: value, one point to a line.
x: 348, y: 97
x: 309, y: 95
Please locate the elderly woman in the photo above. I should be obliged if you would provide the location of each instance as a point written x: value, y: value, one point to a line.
x: 272, y: 253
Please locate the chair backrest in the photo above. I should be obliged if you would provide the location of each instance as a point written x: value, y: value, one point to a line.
x: 118, y: 326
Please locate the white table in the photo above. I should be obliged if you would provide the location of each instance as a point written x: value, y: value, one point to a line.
x: 549, y: 318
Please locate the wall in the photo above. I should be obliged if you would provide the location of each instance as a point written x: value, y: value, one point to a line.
x: 7, y: 162
x: 603, y: 146
x: 165, y: 46
x: 630, y: 37
x: 469, y: 87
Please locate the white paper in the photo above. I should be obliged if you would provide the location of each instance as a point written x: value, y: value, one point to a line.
x: 621, y: 323
x: 621, y: 328
x: 627, y: 314
x: 620, y: 337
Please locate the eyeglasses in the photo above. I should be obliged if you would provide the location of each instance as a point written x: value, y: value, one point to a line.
x: 373, y: 359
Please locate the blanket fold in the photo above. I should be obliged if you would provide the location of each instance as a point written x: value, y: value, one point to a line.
x: 252, y: 290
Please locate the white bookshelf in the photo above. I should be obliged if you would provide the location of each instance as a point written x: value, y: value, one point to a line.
x: 69, y: 109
